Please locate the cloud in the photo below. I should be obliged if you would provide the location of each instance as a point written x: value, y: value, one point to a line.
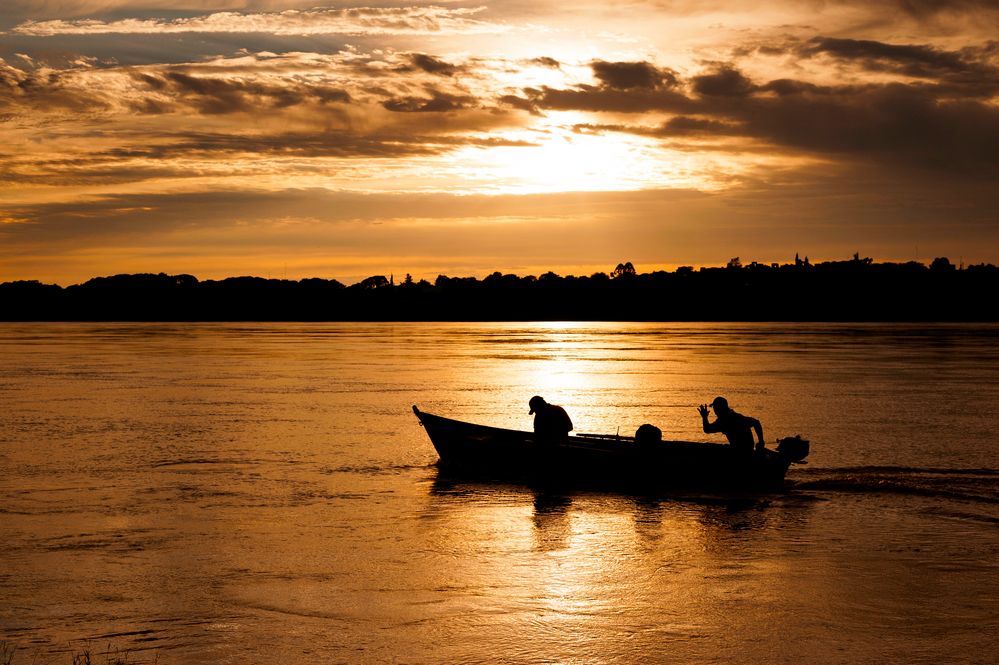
x: 50, y: 90
x: 214, y: 95
x: 682, y: 125
x: 930, y: 8
x: 969, y: 69
x: 631, y: 75
x: 520, y: 103
x: 907, y: 125
x: 438, y: 102
x: 341, y: 161
x: 393, y: 103
x: 624, y: 87
x: 320, y: 21
x: 261, y: 85
x: 155, y: 90
x: 432, y: 65
x: 725, y: 82
x: 877, y: 54
x: 347, y: 118
x: 545, y: 61
x: 233, y: 155
x: 947, y: 123
x: 604, y: 99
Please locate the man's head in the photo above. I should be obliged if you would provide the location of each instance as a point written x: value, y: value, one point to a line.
x: 720, y: 406
x: 537, y: 403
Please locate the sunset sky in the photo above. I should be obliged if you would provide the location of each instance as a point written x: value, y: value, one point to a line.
x: 288, y: 139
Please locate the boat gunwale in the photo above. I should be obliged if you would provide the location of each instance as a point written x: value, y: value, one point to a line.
x: 573, y: 440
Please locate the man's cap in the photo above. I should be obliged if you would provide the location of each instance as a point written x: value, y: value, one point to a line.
x: 535, y: 403
x: 719, y: 400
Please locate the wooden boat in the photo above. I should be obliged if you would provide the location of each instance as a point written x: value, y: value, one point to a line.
x: 585, y: 460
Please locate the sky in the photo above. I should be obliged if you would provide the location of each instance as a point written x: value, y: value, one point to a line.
x: 291, y: 139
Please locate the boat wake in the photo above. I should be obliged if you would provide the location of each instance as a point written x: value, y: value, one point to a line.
x: 980, y: 486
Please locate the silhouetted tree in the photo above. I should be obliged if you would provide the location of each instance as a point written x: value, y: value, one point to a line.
x: 374, y: 282
x: 622, y: 270
x: 942, y: 264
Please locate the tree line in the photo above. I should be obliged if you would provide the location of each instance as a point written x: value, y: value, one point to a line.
x: 854, y: 290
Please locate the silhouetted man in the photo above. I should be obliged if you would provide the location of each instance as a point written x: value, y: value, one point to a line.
x: 551, y: 422
x: 737, y: 428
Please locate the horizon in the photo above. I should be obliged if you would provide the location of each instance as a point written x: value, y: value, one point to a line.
x: 637, y: 271
x: 566, y: 271
x: 277, y: 137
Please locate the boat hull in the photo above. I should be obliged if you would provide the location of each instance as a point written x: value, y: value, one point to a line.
x: 605, y: 461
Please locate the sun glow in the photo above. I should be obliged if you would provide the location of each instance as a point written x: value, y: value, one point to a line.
x: 561, y: 160
x: 563, y: 153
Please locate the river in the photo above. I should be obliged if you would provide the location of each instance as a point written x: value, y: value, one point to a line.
x: 257, y: 493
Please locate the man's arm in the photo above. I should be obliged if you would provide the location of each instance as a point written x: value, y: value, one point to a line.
x: 758, y: 428
x: 709, y: 428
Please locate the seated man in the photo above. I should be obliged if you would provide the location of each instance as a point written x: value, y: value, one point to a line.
x: 737, y: 428
x: 551, y: 422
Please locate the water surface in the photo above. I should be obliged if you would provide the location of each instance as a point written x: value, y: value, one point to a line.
x: 201, y: 493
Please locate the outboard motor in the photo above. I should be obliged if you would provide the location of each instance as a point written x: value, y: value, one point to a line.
x: 793, y: 448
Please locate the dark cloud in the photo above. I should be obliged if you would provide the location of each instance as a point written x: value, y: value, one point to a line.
x: 625, y: 87
x: 929, y: 8
x: 325, y: 144
x: 631, y: 75
x: 794, y: 87
x: 212, y: 95
x: 433, y: 65
x: 686, y: 126
x: 594, y: 98
x: 521, y: 103
x: 904, y: 124
x: 903, y: 54
x: 676, y: 127
x: 438, y: 102
x: 912, y: 60
x: 546, y: 62
x: 726, y: 81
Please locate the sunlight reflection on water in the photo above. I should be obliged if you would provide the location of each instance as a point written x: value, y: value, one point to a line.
x: 218, y: 492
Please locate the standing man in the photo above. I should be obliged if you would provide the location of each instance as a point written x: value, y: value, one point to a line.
x: 737, y: 428
x: 551, y: 422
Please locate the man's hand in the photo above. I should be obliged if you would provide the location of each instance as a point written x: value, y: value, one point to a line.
x: 703, y: 410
